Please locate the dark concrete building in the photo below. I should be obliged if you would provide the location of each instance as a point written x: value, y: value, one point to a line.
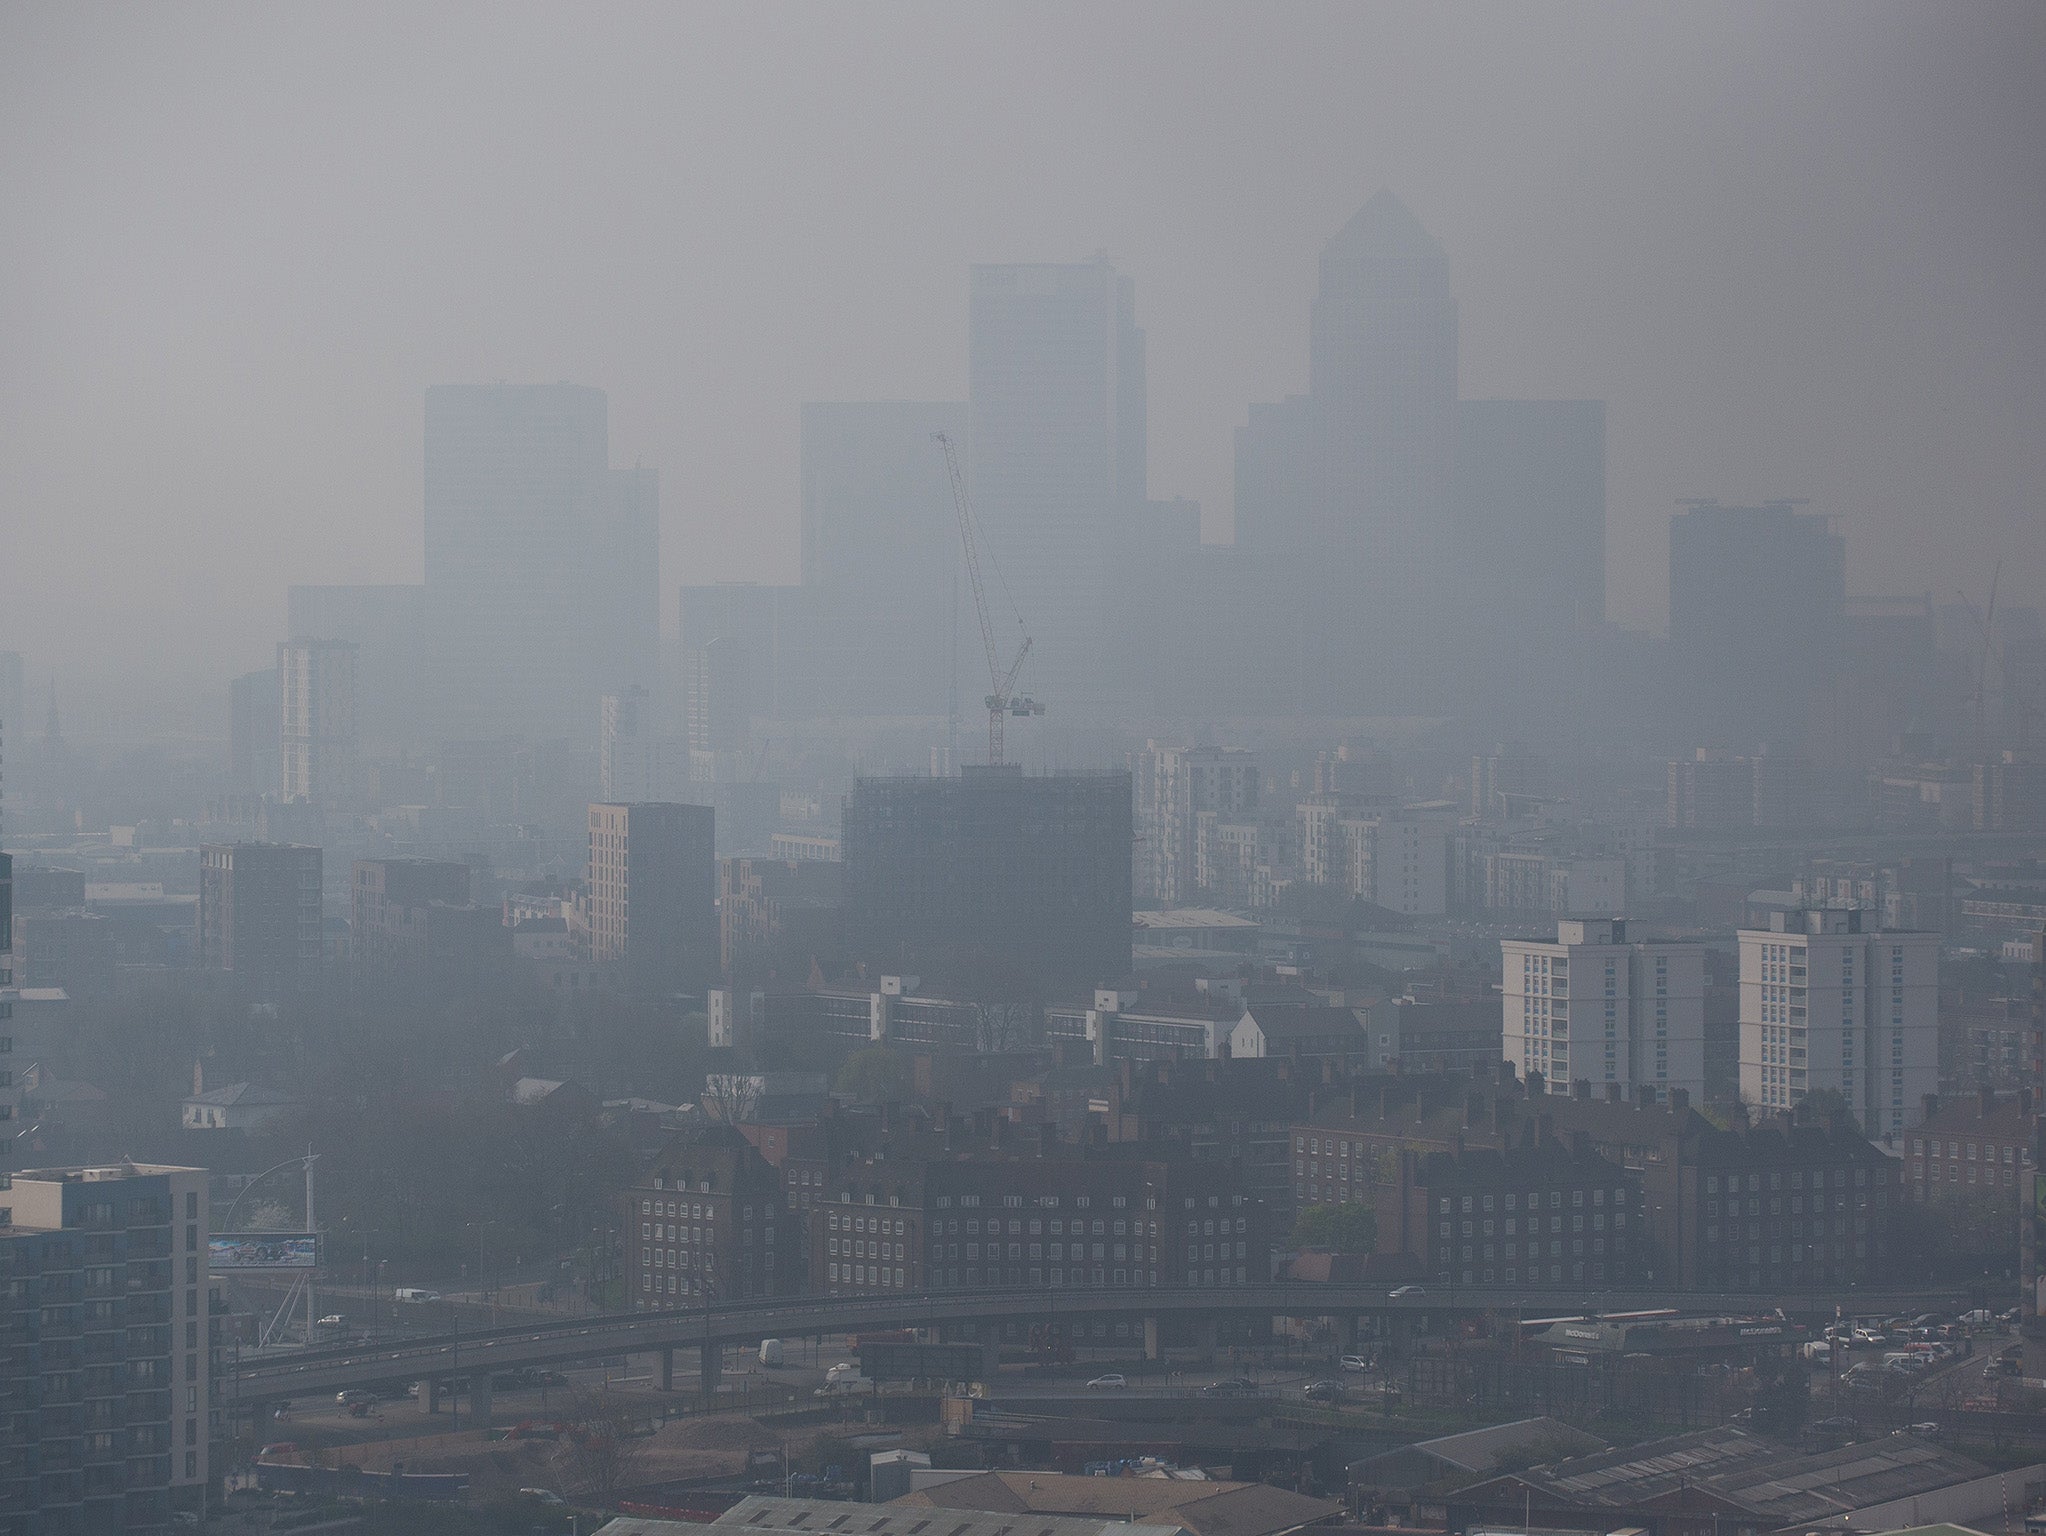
x: 1033, y: 872
x: 259, y: 914
x: 653, y: 896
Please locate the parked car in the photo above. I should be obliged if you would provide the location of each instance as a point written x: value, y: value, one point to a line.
x: 1356, y: 1363
x: 1401, y: 1292
x: 1230, y: 1386
x: 1323, y: 1391
x: 1869, y: 1338
x: 1839, y: 1425
x: 349, y: 1397
x: 1109, y: 1380
x: 1927, y: 1428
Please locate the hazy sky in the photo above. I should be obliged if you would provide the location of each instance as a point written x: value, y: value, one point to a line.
x: 1797, y: 247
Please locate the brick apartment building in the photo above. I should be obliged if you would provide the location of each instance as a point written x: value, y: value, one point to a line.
x: 706, y: 1221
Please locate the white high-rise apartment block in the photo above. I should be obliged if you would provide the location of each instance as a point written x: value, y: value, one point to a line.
x: 316, y: 685
x: 1594, y: 1006
x: 635, y: 763
x: 1831, y: 1001
x: 1174, y: 786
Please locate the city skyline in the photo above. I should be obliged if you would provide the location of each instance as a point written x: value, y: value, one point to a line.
x: 1710, y: 346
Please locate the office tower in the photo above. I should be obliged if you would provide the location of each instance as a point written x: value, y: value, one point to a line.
x: 1830, y: 1001
x: 880, y: 554
x: 718, y: 709
x: 653, y: 896
x: 255, y: 732
x: 320, y: 761
x: 1756, y: 597
x: 1596, y: 1006
x: 635, y: 762
x: 1174, y: 786
x: 106, y: 1389
x: 1343, y: 495
x: 259, y: 914
x: 991, y: 867
x: 1055, y: 366
x: 760, y: 618
x: 542, y: 564
x: 387, y: 626
x: 1530, y: 557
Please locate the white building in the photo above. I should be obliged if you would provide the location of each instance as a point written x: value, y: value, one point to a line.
x: 1174, y: 785
x: 1595, y: 1006
x: 1830, y: 1001
x: 316, y: 683
x: 635, y: 763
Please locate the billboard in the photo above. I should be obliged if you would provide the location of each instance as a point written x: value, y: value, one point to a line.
x: 262, y: 1250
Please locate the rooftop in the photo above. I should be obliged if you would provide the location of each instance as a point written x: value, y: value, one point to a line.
x: 1199, y: 1508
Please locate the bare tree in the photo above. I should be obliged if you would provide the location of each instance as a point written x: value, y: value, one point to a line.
x: 603, y: 1452
x: 731, y: 1097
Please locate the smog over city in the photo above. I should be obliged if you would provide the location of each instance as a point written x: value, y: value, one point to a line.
x: 1194, y: 769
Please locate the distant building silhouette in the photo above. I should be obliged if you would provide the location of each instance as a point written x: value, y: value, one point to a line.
x: 1057, y: 400
x: 1343, y: 495
x: 387, y: 626
x: 321, y: 759
x: 542, y: 563
x: 255, y: 730
x: 1756, y: 603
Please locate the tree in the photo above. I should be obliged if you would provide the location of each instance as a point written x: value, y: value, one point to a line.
x: 1337, y: 1228
x: 603, y: 1451
x: 1824, y: 1106
x: 877, y: 1075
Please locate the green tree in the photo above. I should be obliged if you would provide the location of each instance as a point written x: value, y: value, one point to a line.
x: 1338, y: 1228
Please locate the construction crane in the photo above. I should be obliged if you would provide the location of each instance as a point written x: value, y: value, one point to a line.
x: 1002, y: 700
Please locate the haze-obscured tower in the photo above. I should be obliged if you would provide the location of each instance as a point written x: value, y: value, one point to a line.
x: 1756, y: 603
x: 1057, y: 401
x: 318, y: 746
x: 880, y: 547
x: 542, y: 563
x: 255, y: 727
x: 259, y: 915
x: 1343, y: 494
x: 387, y: 627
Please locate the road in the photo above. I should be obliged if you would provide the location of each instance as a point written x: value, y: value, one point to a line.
x: 744, y: 1322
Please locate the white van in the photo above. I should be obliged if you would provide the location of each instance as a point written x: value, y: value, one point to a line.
x: 413, y: 1293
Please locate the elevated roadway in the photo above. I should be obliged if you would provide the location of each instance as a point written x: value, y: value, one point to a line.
x: 480, y: 1353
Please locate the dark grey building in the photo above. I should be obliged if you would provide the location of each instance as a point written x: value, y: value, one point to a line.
x: 1029, y: 872
x: 106, y: 1384
x: 255, y: 727
x: 653, y: 896
x: 259, y: 914
x: 1757, y: 598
